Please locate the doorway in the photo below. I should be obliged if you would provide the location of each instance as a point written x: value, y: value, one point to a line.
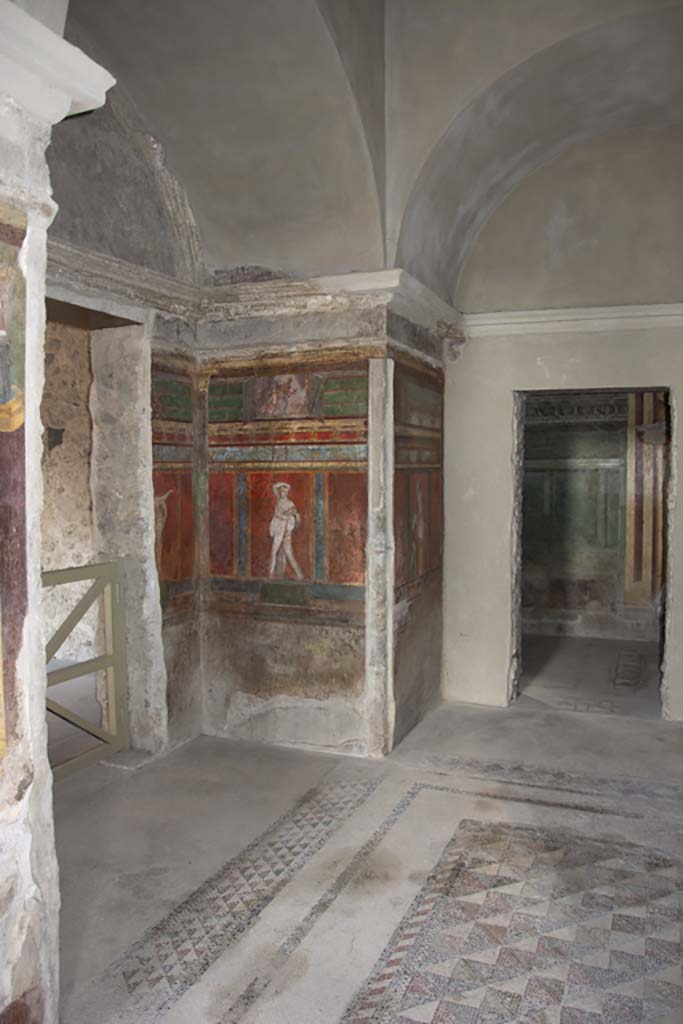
x: 594, y: 499
x: 82, y: 603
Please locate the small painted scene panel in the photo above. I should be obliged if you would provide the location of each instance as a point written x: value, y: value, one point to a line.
x: 285, y: 396
x: 281, y: 530
x: 324, y: 394
x: 346, y: 522
x: 173, y: 525
x: 222, y: 523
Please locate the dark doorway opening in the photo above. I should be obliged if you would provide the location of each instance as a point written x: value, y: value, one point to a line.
x: 594, y: 508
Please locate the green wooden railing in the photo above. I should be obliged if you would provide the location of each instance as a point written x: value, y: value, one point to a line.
x: 107, y: 583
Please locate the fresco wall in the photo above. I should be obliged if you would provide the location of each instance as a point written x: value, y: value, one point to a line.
x: 287, y: 515
x: 174, y: 466
x: 418, y: 540
x: 13, y: 587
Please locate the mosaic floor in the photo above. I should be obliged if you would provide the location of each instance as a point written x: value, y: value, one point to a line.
x: 534, y: 925
x: 391, y: 894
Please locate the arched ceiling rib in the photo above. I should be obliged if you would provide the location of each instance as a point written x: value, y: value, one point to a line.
x: 619, y: 75
x: 357, y: 28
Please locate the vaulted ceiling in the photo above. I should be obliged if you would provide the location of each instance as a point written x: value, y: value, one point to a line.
x: 316, y: 137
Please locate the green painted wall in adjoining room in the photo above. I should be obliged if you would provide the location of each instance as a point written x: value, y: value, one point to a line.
x: 574, y: 504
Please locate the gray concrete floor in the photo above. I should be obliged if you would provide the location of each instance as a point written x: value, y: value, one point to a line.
x: 65, y: 741
x: 230, y: 883
x: 613, y: 677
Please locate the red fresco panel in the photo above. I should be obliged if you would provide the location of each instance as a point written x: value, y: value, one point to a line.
x: 167, y: 524
x: 401, y: 527
x: 173, y: 525
x: 262, y: 507
x: 419, y: 524
x: 222, y: 522
x: 346, y: 527
x: 436, y: 520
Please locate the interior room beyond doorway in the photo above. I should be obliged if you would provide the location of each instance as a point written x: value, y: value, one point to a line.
x: 594, y: 500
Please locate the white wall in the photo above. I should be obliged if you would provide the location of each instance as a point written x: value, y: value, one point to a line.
x: 480, y: 481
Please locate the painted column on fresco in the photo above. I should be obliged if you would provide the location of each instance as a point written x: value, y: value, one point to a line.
x: 13, y: 584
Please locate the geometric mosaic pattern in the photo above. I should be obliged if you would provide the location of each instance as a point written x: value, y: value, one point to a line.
x: 536, y: 926
x: 172, y: 955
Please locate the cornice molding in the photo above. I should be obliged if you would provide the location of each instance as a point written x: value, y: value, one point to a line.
x: 46, y: 76
x: 79, y: 275
x: 406, y: 296
x: 368, y: 309
x: 578, y: 320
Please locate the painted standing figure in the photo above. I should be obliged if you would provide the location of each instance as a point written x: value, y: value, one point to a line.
x: 160, y: 517
x: 285, y: 521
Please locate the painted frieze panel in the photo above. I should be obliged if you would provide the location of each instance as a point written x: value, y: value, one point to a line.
x: 288, y: 486
x: 13, y: 583
x: 286, y: 396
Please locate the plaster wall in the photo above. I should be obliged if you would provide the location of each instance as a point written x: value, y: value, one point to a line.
x: 51, y: 13
x: 482, y: 462
x: 597, y: 226
x: 67, y: 520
